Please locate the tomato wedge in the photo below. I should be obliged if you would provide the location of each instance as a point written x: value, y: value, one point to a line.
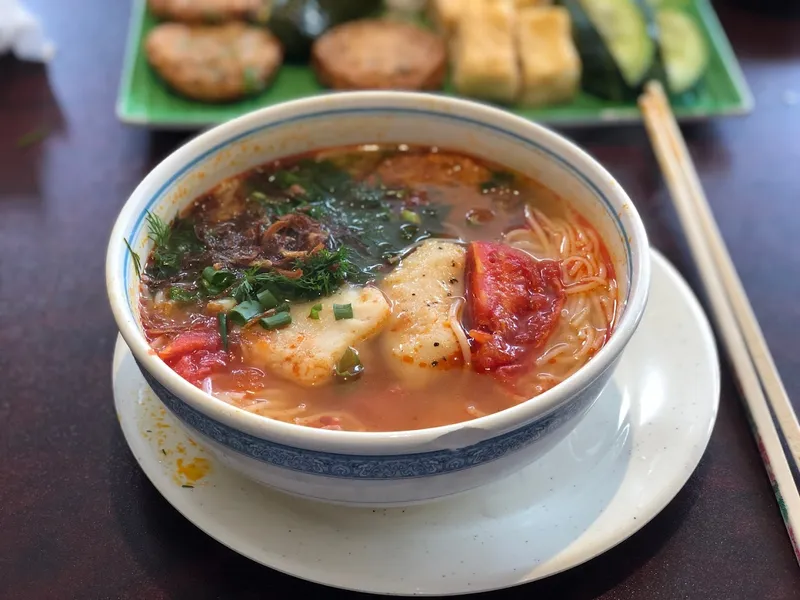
x: 195, y: 354
x: 513, y: 303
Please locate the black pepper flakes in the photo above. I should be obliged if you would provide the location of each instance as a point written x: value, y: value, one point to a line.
x: 453, y: 280
x: 434, y: 363
x: 436, y: 344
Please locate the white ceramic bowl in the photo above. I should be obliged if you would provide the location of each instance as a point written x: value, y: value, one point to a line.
x: 379, y: 469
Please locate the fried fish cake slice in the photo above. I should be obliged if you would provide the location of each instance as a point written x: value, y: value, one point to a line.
x: 420, y: 341
x: 307, y: 350
x: 376, y: 54
x: 214, y: 63
x: 210, y: 11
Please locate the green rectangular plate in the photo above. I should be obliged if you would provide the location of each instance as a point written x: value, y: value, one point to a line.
x: 145, y: 100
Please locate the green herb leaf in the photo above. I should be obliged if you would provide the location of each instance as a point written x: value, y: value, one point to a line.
x: 171, y: 245
x: 222, y: 321
x: 371, y: 219
x: 244, y: 311
x: 276, y: 321
x: 158, y: 230
x: 349, y: 366
x: 315, y: 310
x: 342, y: 311
x: 137, y: 262
x: 245, y: 286
x: 323, y: 273
x: 182, y: 295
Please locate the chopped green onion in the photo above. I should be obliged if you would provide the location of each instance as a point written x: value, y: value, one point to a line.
x: 349, y: 366
x: 314, y: 314
x: 410, y: 216
x: 244, y: 311
x: 222, y: 320
x: 137, y: 262
x: 267, y: 299
x: 215, y: 281
x: 342, y: 311
x: 208, y: 274
x: 276, y: 321
x: 282, y: 307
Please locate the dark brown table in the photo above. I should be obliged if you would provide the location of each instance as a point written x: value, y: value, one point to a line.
x: 78, y: 518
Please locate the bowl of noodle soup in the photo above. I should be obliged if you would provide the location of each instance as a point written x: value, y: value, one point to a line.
x: 378, y: 298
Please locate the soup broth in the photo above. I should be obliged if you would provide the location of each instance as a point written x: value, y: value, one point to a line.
x: 377, y: 288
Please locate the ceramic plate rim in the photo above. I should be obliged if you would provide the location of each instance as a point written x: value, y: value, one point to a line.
x: 591, y: 549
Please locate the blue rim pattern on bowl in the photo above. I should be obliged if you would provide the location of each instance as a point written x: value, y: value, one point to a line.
x: 375, y: 467
x: 377, y: 111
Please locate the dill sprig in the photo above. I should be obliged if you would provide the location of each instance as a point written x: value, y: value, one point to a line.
x: 171, y: 244
x: 158, y: 229
x: 245, y: 287
x: 137, y: 262
x: 323, y: 273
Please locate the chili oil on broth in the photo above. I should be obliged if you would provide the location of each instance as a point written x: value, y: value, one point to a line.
x: 431, y: 194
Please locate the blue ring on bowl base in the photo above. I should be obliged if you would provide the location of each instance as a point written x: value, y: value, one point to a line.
x: 381, y: 467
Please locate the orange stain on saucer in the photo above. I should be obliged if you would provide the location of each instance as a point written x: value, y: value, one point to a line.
x: 178, y: 456
x: 192, y: 471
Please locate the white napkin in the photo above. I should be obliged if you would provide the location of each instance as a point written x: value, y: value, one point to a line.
x: 21, y: 33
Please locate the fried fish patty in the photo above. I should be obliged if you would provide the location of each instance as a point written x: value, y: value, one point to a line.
x: 214, y: 63
x: 375, y: 54
x: 210, y: 11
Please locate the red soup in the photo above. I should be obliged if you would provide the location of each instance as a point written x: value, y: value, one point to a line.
x: 377, y: 288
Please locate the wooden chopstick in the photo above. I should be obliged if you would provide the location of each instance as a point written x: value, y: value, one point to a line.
x: 732, y: 312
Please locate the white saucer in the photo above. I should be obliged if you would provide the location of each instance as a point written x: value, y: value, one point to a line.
x: 623, y: 463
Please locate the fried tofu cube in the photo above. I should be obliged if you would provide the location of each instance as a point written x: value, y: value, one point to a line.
x: 483, y: 53
x: 523, y: 4
x: 551, y: 66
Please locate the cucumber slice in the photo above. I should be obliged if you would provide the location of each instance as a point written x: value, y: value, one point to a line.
x: 603, y: 73
x: 624, y: 27
x: 684, y: 49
